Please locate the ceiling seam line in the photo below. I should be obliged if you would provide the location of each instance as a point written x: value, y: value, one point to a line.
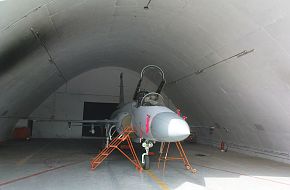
x: 51, y: 60
x: 238, y: 55
x: 24, y: 16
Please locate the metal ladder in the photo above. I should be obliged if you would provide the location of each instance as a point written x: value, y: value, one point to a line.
x: 182, y: 157
x: 114, y: 144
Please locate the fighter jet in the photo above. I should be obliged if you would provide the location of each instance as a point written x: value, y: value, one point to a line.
x: 151, y: 120
x: 149, y: 117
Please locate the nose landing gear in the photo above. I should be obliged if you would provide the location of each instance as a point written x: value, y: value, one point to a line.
x: 145, y: 156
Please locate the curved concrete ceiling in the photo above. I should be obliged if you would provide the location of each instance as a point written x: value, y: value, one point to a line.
x: 44, y: 43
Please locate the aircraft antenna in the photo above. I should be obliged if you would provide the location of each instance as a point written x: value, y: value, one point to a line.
x: 121, y: 98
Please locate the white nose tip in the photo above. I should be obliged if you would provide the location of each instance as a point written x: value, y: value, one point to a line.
x: 169, y: 127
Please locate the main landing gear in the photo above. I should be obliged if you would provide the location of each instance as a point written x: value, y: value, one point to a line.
x: 145, y: 156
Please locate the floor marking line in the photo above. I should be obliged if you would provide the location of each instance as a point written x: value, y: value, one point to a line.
x: 24, y: 160
x: 233, y: 172
x: 38, y: 173
x: 161, y: 183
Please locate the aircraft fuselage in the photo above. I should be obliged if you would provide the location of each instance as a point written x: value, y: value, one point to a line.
x: 163, y: 125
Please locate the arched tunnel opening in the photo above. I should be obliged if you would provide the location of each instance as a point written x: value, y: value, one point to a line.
x: 226, y: 71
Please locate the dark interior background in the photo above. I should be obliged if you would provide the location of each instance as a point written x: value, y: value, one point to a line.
x: 96, y: 111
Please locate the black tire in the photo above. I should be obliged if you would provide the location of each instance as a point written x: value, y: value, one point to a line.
x: 146, y: 165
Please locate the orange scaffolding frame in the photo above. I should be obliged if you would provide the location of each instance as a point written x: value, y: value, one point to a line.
x: 182, y: 157
x: 114, y: 144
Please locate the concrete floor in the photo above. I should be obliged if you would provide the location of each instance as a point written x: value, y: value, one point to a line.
x: 64, y: 164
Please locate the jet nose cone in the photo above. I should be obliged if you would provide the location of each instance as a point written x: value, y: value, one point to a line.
x: 169, y: 127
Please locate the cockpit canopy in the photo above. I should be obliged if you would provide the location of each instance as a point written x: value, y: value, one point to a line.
x: 152, y: 99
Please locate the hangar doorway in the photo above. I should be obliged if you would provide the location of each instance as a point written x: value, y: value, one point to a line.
x: 96, y: 111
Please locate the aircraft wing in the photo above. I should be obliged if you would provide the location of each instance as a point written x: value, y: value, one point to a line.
x: 91, y: 122
x: 80, y: 122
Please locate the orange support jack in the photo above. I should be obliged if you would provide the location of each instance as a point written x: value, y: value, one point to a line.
x: 114, y: 144
x: 182, y: 157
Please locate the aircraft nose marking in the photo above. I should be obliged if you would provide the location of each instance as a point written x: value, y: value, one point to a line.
x: 169, y: 127
x: 147, y: 123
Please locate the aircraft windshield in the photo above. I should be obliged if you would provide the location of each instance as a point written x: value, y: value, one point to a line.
x: 152, y: 99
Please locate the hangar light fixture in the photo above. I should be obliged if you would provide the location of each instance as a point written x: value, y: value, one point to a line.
x: 147, y: 6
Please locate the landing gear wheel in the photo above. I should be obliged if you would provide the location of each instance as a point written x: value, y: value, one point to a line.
x: 146, y: 165
x: 194, y: 170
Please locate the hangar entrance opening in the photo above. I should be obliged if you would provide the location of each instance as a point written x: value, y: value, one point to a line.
x: 96, y: 111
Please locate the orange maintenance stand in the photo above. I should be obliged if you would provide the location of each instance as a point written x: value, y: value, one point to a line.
x: 114, y: 144
x: 164, y: 156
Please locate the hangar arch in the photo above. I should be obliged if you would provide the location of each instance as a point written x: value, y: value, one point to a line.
x: 246, y: 95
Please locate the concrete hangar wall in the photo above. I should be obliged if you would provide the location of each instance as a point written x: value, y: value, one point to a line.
x: 246, y: 95
x: 67, y: 102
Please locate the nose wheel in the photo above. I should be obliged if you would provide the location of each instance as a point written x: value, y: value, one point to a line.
x: 145, y: 156
x: 146, y: 164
